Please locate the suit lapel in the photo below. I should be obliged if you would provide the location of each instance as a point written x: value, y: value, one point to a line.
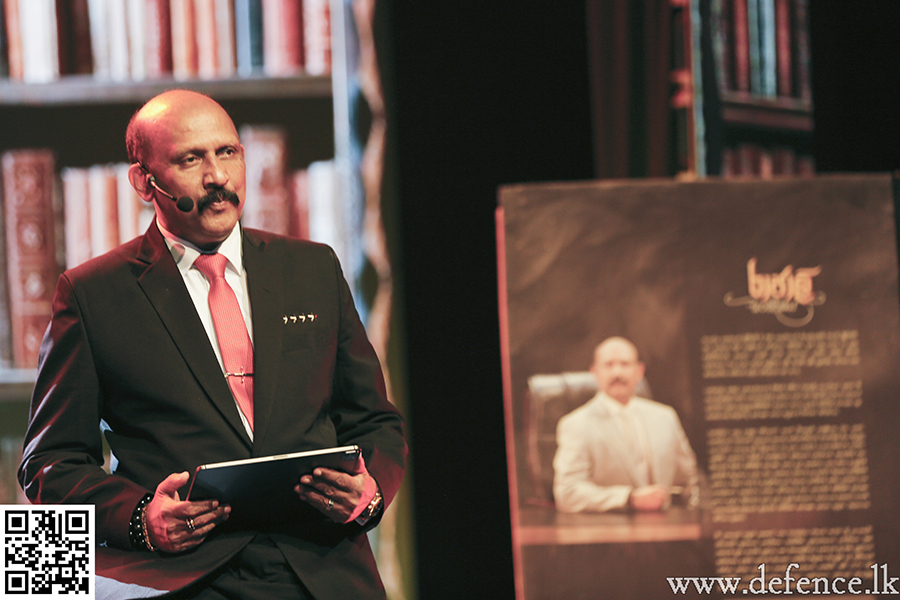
x: 164, y: 287
x: 265, y: 282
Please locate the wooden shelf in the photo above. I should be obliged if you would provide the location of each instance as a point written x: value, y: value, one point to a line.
x: 80, y: 90
x: 770, y: 113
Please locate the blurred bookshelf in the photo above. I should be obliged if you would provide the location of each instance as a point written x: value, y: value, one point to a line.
x: 742, y: 99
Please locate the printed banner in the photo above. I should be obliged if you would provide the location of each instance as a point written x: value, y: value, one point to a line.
x: 766, y: 315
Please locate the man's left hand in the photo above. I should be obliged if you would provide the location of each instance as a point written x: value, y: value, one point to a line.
x: 340, y: 496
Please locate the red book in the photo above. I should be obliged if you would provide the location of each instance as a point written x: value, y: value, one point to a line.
x: 226, y: 59
x: 282, y: 37
x: 741, y: 46
x: 749, y: 160
x: 730, y: 167
x: 205, y: 34
x: 724, y: 30
x: 317, y: 37
x: 158, y: 38
x: 14, y: 41
x: 801, y: 51
x: 784, y: 161
x: 266, y: 159
x: 766, y: 164
x: 74, y: 35
x: 184, y: 39
x: 785, y: 54
x: 29, y: 180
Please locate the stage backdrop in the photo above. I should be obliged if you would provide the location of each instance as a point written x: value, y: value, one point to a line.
x: 767, y: 314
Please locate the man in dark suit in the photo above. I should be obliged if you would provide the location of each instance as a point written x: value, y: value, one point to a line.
x: 135, y: 350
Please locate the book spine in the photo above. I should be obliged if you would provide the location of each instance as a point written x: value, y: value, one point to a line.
x: 317, y: 37
x: 119, y: 53
x: 766, y: 163
x: 282, y: 37
x: 64, y: 42
x: 225, y: 38
x: 801, y: 41
x: 741, y: 45
x: 40, y: 53
x: 754, y: 42
x: 14, y: 40
x: 299, y: 214
x: 4, y: 42
x: 767, y: 49
x: 326, y: 223
x: 157, y: 38
x: 748, y: 160
x: 184, y: 40
x: 207, y: 39
x: 76, y: 198
x: 137, y: 43
x: 97, y: 14
x: 785, y: 54
x: 103, y: 209
x: 29, y: 184
x: 266, y: 157
x: 784, y: 161
x: 248, y: 36
x: 82, y: 61
x: 134, y: 214
x: 730, y: 167
x: 723, y: 45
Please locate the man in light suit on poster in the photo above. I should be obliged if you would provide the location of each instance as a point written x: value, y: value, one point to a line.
x: 136, y: 349
x: 618, y: 450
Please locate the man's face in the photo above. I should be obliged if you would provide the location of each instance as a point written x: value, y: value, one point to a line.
x: 617, y: 369
x: 196, y: 152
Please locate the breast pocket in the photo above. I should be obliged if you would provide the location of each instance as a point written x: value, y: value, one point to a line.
x: 305, y: 330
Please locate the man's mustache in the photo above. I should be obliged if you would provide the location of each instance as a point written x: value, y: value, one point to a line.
x: 216, y: 195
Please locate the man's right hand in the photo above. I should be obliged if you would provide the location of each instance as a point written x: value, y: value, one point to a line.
x: 175, y: 525
x: 649, y: 498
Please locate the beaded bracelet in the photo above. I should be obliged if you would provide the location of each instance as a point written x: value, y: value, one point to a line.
x: 137, y: 527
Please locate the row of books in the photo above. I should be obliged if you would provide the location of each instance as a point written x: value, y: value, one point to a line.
x: 132, y: 40
x: 753, y: 160
x: 762, y: 47
x: 57, y: 220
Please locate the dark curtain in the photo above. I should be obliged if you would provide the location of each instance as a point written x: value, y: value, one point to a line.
x: 631, y: 61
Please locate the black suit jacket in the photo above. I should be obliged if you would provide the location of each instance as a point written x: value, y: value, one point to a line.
x: 126, y: 353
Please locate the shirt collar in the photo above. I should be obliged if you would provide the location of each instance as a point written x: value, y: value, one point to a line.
x: 612, y: 405
x: 185, y: 253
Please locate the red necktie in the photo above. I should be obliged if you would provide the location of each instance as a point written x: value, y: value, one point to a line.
x: 231, y: 331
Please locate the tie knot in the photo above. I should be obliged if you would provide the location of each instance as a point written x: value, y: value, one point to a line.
x: 211, y: 265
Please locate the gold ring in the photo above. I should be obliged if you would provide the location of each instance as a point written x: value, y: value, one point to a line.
x: 190, y: 523
x: 330, y: 504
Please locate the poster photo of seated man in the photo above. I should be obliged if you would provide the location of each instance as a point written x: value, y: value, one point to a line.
x: 620, y: 451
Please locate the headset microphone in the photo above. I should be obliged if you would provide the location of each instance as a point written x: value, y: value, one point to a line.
x: 184, y: 203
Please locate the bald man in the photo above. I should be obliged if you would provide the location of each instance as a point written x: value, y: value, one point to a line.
x: 620, y: 451
x: 134, y: 350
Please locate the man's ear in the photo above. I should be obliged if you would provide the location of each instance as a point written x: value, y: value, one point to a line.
x: 138, y: 178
